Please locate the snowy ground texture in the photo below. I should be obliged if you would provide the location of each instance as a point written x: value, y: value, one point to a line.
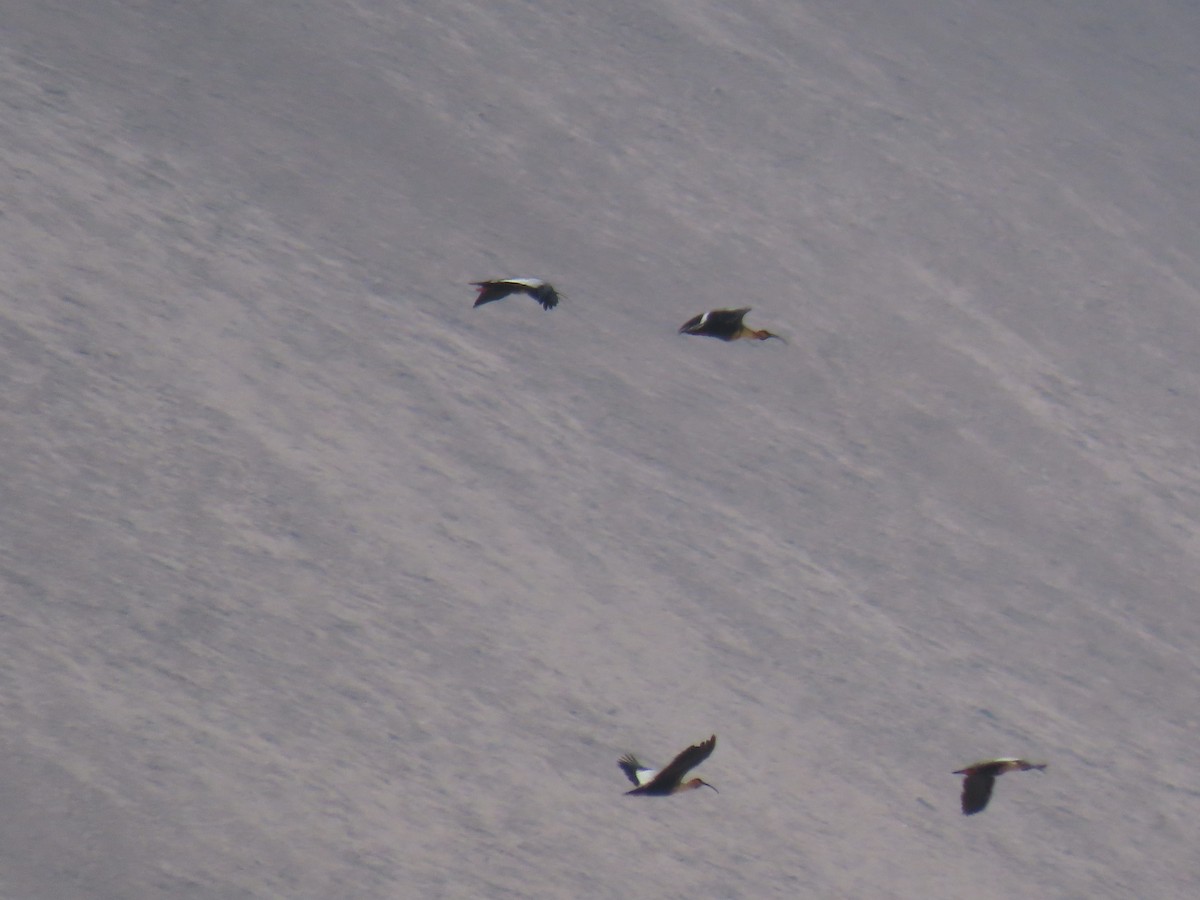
x: 319, y: 583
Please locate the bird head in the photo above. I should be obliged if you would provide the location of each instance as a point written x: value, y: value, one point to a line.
x: 762, y: 334
x: 697, y: 783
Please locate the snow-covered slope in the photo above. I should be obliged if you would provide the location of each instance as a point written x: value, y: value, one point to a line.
x: 318, y: 582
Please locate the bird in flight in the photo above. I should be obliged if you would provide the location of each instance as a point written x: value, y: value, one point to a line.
x: 981, y: 778
x: 499, y: 288
x: 670, y: 779
x: 725, y: 324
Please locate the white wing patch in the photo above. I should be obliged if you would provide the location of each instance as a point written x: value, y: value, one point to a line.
x: 645, y: 776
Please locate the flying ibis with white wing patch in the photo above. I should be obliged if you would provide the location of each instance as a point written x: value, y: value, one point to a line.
x: 725, y: 325
x: 669, y: 780
x: 499, y: 288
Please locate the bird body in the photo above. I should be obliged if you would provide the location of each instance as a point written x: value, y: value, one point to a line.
x: 981, y: 778
x: 499, y: 288
x: 669, y: 780
x: 726, y: 325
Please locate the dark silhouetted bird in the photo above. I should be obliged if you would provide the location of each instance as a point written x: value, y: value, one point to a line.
x: 981, y: 778
x: 670, y: 779
x: 499, y: 288
x: 725, y: 324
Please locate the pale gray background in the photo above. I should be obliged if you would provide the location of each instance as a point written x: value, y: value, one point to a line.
x: 318, y: 583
